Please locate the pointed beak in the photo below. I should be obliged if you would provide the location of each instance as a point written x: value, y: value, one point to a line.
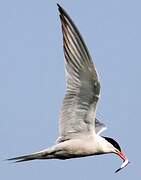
x: 122, y: 156
x: 125, y: 161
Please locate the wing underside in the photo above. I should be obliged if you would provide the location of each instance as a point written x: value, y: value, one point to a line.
x: 83, y: 87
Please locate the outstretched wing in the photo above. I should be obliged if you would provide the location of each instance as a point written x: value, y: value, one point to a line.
x: 83, y: 86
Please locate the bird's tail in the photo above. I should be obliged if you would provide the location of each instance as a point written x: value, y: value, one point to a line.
x: 45, y: 154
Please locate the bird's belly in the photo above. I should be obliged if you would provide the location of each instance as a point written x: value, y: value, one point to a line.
x: 74, y: 149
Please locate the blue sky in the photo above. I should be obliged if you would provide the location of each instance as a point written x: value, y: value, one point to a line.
x: 32, y: 84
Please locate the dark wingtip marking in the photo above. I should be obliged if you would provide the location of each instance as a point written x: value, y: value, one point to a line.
x: 58, y: 5
x: 64, y: 13
x: 61, y: 10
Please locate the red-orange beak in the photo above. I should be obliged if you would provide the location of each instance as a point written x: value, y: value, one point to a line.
x: 125, y: 161
x: 122, y: 156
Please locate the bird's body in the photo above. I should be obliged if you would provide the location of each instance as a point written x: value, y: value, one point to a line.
x: 79, y: 128
x: 73, y: 148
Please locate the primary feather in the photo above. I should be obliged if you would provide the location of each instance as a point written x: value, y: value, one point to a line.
x: 83, y: 86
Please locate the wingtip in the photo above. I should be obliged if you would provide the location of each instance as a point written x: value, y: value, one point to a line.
x: 61, y: 10
x: 59, y: 7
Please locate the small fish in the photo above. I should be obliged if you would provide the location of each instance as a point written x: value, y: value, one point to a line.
x: 124, y: 164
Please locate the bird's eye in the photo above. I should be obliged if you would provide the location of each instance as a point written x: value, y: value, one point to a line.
x: 114, y: 143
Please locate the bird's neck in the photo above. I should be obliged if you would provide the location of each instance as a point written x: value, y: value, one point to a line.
x: 102, y: 145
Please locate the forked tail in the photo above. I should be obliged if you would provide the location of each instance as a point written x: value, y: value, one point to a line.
x: 46, y: 154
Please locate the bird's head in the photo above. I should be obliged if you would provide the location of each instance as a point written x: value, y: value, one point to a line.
x: 115, y: 148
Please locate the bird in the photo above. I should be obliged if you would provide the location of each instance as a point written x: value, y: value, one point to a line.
x: 79, y: 129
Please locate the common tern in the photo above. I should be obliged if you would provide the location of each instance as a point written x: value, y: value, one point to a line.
x: 79, y: 128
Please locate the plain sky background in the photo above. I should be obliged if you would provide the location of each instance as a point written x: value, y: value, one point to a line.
x: 32, y: 84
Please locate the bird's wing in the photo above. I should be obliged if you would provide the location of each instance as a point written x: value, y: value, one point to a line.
x: 99, y: 127
x: 83, y: 86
